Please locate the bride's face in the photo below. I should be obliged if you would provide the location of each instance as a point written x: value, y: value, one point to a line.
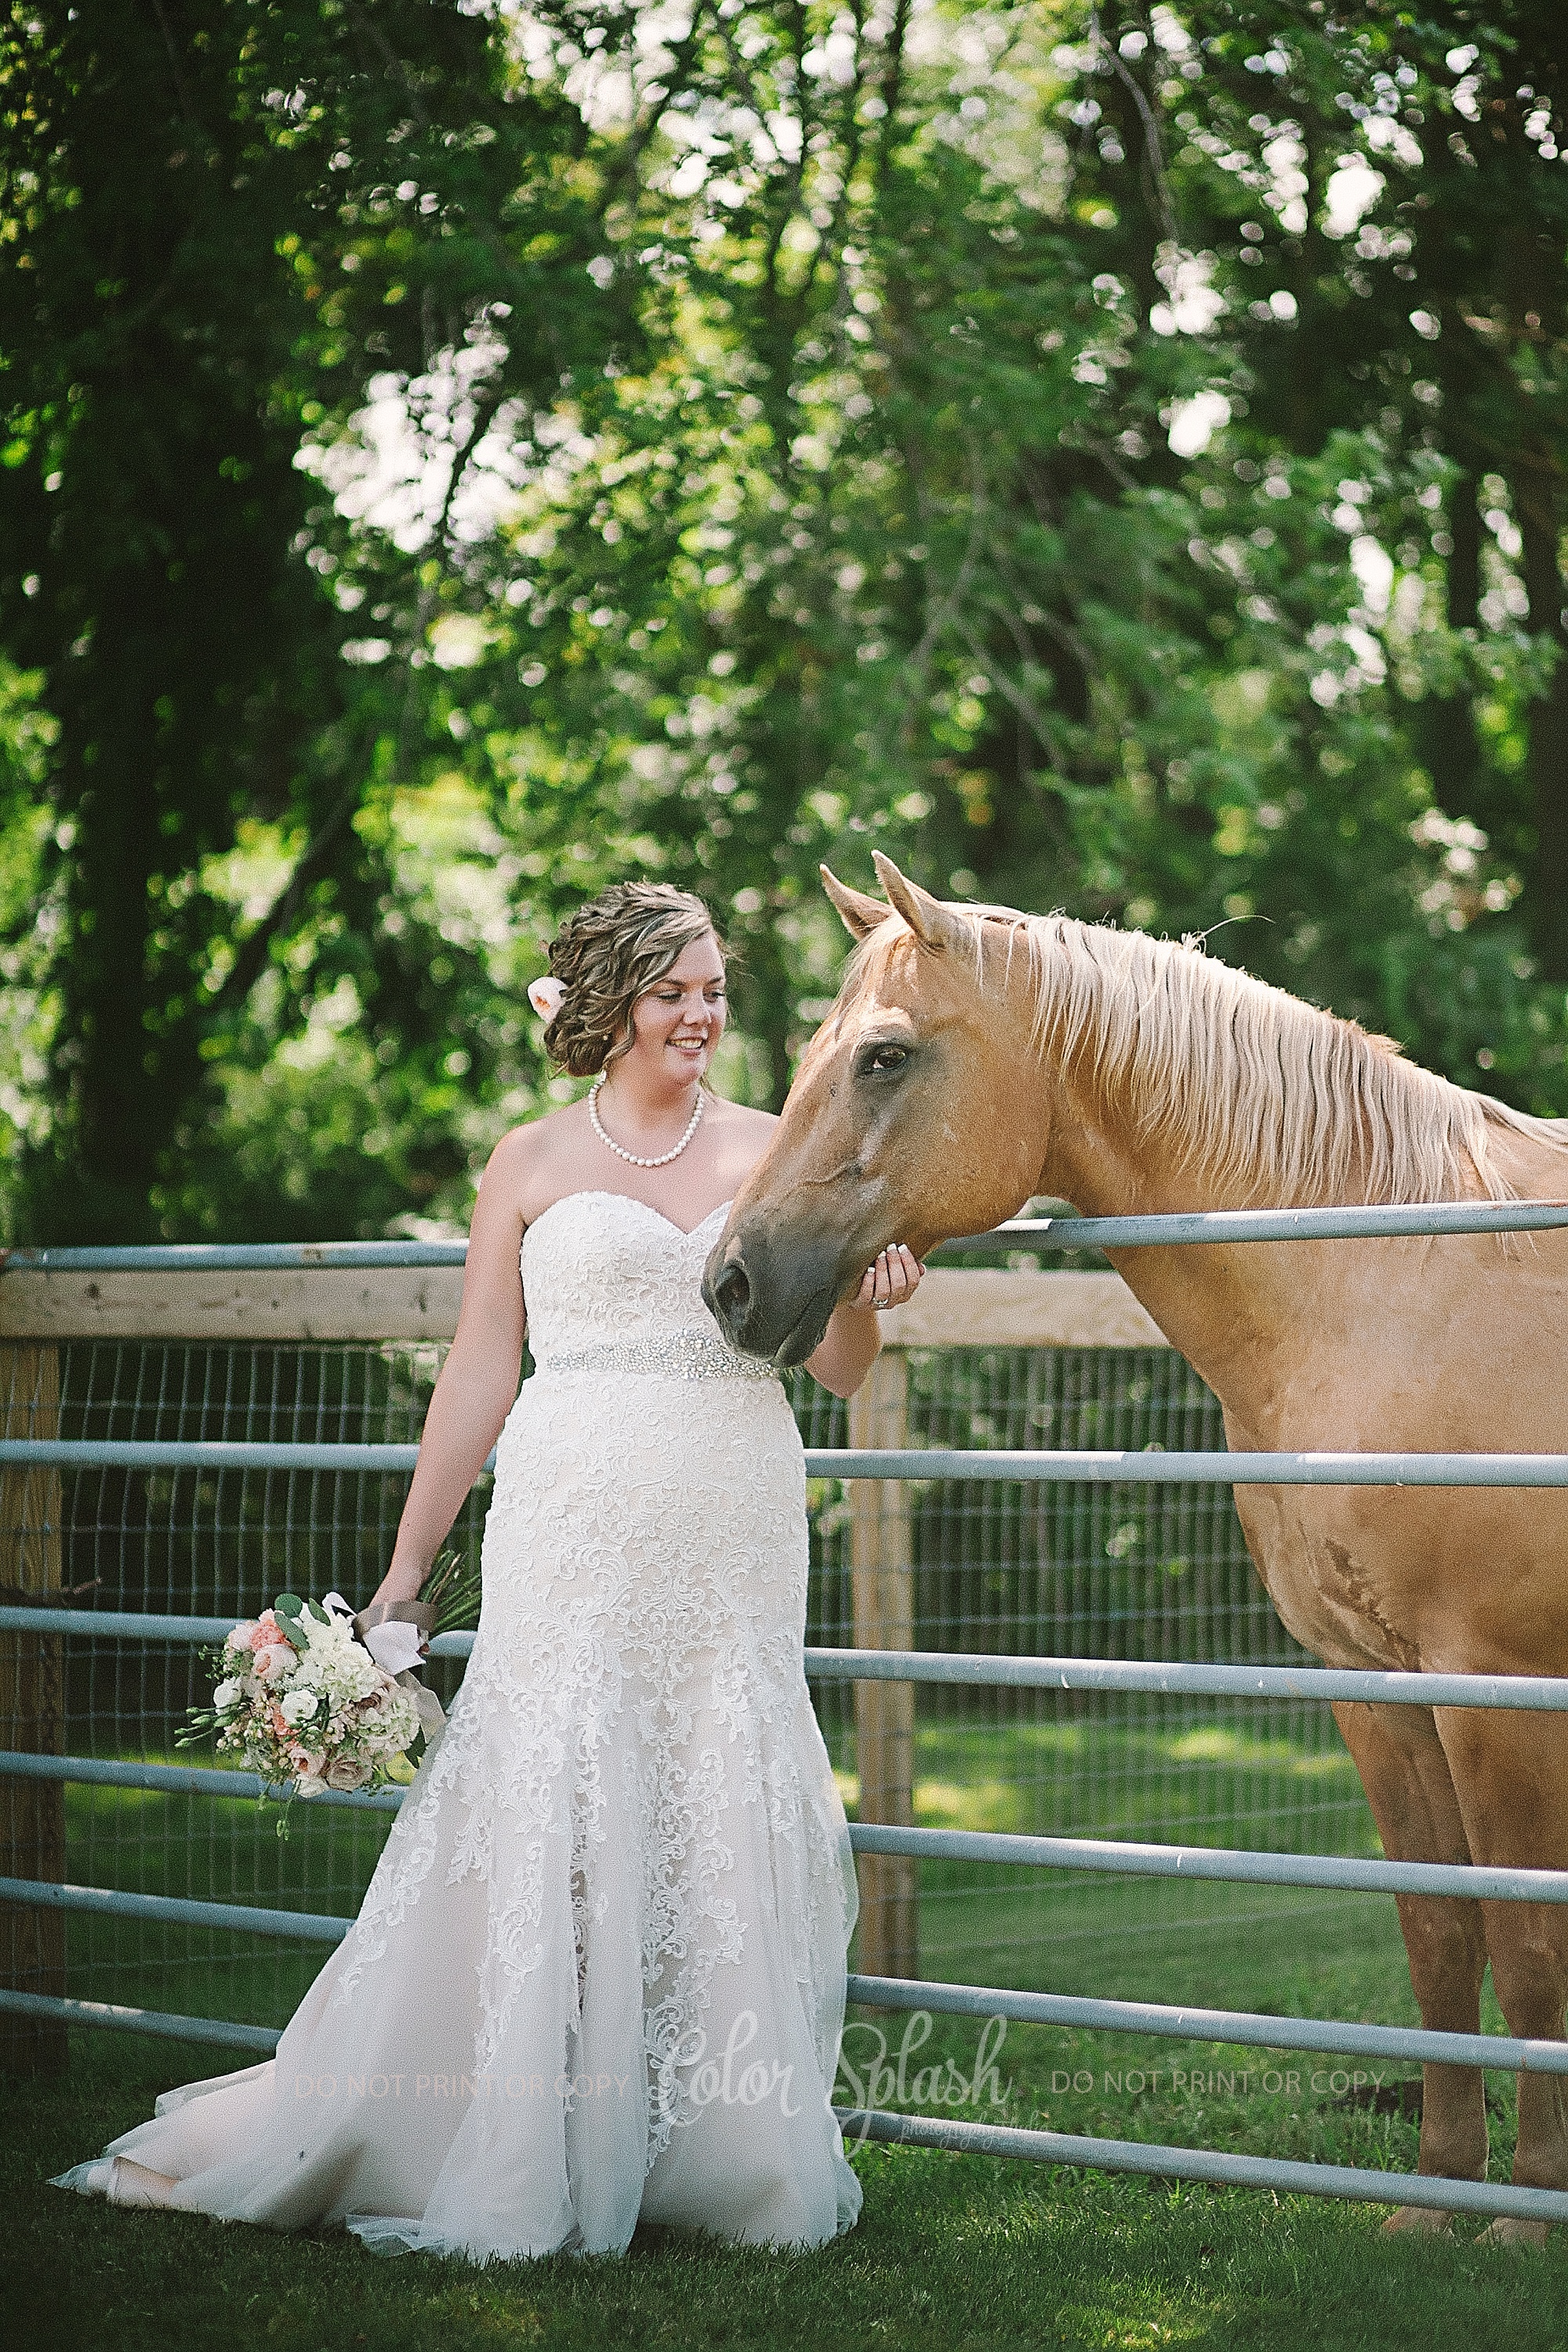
x: 679, y: 1022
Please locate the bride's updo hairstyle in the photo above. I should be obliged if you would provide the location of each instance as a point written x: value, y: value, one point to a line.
x: 607, y: 954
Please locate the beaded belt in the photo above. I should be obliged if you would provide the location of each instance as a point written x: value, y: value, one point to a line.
x: 680, y: 1355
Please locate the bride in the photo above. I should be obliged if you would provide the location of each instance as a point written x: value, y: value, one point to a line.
x: 598, y: 1974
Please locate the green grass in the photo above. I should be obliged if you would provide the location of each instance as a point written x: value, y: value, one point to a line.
x: 952, y: 2255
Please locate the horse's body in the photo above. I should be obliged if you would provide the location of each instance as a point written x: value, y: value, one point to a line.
x: 977, y: 1057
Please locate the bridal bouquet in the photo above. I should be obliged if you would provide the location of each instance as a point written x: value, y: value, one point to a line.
x: 307, y: 1705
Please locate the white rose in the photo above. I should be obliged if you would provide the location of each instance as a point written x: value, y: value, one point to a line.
x: 228, y: 1694
x: 344, y: 1772
x: 240, y: 1637
x: 299, y: 1706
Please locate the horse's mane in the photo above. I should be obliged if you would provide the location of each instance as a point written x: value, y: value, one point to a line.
x: 1259, y: 1093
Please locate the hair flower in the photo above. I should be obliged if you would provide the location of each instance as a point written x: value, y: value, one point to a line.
x: 546, y: 994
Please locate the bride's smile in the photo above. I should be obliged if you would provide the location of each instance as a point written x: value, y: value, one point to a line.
x: 679, y: 1021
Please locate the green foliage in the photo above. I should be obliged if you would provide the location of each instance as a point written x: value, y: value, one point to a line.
x: 207, y: 254
x: 1108, y: 459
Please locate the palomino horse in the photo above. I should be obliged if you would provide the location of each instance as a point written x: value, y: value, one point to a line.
x: 978, y: 1056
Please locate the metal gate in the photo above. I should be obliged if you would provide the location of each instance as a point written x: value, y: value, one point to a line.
x: 39, y: 1633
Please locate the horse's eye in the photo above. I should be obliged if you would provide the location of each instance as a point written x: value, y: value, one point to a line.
x: 885, y: 1057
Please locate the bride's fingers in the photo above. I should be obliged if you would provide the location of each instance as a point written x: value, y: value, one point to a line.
x: 904, y: 1271
x: 892, y: 1276
x: 876, y: 1283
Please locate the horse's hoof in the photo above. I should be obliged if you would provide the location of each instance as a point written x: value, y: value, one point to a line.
x: 1418, y: 2221
x: 1508, y: 2230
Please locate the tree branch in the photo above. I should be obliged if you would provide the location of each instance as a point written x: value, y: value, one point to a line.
x: 250, y: 961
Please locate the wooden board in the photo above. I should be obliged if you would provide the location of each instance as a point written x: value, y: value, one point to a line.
x: 981, y: 1307
x: 954, y: 1308
x: 32, y: 1714
x: 324, y: 1303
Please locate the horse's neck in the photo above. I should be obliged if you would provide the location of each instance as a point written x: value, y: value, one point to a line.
x: 1232, y: 1310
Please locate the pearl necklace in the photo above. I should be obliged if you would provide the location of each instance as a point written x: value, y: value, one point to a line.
x: 633, y: 1158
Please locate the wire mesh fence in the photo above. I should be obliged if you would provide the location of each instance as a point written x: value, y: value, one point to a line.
x: 1107, y: 1571
x: 1155, y: 1572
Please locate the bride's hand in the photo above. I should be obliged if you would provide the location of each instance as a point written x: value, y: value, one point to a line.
x: 893, y: 1277
x: 849, y: 1345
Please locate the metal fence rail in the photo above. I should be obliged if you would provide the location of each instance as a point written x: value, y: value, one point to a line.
x: 1533, y: 1694
x: 1536, y: 1694
x: 1437, y: 2195
x: 984, y: 1465
x: 1377, y: 1221
x: 998, y: 1467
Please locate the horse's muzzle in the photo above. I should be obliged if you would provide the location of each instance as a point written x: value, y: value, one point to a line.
x: 769, y: 1300
x: 728, y: 1297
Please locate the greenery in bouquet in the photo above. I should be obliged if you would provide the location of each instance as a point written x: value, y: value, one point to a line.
x: 452, y: 1589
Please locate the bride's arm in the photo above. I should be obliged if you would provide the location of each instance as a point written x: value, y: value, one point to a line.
x: 479, y: 1380
x: 851, y: 1343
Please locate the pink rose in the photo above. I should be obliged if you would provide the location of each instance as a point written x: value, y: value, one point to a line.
x: 273, y: 1662
x: 307, y: 1765
x: 342, y: 1772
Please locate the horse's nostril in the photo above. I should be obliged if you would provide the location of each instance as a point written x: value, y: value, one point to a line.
x: 733, y: 1294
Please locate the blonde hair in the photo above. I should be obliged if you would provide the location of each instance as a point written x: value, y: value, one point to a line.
x: 609, y: 954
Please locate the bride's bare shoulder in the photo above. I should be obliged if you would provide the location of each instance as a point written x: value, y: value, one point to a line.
x: 740, y: 1120
x: 742, y: 1135
x: 528, y: 1160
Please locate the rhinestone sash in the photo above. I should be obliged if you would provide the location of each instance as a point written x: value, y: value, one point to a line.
x: 690, y: 1355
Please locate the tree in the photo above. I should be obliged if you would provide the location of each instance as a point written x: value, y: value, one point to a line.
x: 1108, y: 457
x: 1005, y: 487
x: 222, y: 221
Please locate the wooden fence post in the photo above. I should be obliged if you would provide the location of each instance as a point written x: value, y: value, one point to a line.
x: 32, y: 1713
x: 882, y: 1573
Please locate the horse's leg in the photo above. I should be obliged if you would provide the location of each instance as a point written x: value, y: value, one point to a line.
x: 1409, y: 1786
x: 1511, y: 1775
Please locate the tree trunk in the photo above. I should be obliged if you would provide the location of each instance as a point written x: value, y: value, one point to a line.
x: 1445, y: 725
x: 1546, y: 894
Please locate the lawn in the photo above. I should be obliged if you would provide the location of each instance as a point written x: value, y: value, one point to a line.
x: 951, y: 2251
x: 951, y: 2254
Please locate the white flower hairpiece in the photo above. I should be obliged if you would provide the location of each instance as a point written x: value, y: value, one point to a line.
x: 546, y: 995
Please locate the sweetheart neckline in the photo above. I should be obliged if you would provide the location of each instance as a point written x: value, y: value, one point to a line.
x: 594, y: 1192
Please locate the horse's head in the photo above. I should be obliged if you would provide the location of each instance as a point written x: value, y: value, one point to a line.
x: 916, y: 1115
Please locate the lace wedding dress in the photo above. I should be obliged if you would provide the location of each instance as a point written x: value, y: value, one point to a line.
x: 598, y: 1976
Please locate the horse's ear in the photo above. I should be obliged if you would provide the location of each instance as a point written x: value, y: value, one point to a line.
x: 860, y: 914
x: 931, y: 922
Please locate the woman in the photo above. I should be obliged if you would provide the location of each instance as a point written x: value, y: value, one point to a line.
x: 598, y: 1974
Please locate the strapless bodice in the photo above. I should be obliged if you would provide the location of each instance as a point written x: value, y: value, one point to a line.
x: 612, y: 1286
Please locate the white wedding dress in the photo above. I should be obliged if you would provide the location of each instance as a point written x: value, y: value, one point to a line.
x: 598, y: 1974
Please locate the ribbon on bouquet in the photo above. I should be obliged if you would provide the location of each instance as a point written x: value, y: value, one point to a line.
x: 397, y: 1635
